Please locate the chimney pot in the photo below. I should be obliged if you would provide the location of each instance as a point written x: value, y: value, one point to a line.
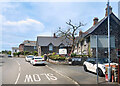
x: 95, y: 20
x: 54, y: 35
x: 80, y: 33
x: 110, y: 10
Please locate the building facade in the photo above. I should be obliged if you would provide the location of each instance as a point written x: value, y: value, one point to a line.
x: 100, y: 28
x: 46, y: 45
x: 27, y: 45
x: 14, y: 50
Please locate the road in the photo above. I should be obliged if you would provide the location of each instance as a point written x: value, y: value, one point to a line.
x: 18, y: 71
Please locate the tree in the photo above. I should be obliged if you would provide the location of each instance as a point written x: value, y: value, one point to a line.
x: 18, y: 53
x: 70, y: 33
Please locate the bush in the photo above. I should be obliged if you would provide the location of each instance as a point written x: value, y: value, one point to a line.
x: 35, y: 53
x: 14, y: 54
x: 18, y: 53
x: 26, y: 53
x: 73, y: 55
x: 56, y: 57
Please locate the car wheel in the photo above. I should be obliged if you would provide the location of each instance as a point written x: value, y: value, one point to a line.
x: 100, y: 73
x: 85, y: 68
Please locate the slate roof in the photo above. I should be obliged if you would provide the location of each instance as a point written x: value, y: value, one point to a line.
x: 90, y: 30
x: 29, y: 43
x: 45, y: 41
x: 15, y: 48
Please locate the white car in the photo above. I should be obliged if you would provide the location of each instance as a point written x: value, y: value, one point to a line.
x: 28, y: 58
x: 90, y: 65
x: 37, y: 60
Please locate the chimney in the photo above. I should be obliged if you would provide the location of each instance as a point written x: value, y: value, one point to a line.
x: 110, y: 10
x: 95, y: 20
x: 80, y: 33
x: 54, y: 35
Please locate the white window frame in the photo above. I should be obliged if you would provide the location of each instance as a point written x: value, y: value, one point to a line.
x: 50, y: 47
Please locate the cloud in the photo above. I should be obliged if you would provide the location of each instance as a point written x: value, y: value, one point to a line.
x: 23, y: 26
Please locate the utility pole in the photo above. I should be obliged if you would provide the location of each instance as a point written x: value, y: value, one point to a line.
x: 109, y: 68
x: 97, y: 57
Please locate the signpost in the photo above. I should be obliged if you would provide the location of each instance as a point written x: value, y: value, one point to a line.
x: 100, y: 41
x: 97, y: 56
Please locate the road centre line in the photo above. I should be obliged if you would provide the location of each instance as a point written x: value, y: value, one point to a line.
x: 17, y: 78
x: 18, y: 73
x: 63, y: 75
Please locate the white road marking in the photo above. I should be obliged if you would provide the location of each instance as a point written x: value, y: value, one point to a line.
x: 36, y: 78
x: 17, y: 78
x: 51, y: 76
x: 18, y: 63
x: 18, y: 73
x: 46, y: 76
x: 28, y: 78
x: 63, y: 75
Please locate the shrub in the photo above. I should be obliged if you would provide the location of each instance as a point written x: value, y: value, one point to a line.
x: 18, y: 53
x: 73, y: 54
x: 14, y: 54
x: 56, y: 57
x: 35, y: 53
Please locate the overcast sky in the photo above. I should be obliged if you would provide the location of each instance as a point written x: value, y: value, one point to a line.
x: 27, y: 20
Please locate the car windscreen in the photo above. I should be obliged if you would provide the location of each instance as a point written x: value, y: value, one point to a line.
x: 29, y: 56
x: 103, y: 60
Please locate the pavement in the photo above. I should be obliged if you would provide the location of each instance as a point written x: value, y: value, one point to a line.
x: 17, y: 71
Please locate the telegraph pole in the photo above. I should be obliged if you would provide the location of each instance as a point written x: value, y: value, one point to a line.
x: 109, y: 68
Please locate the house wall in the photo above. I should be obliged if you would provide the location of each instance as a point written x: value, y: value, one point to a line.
x: 29, y: 48
x: 103, y: 30
x: 21, y: 47
x: 45, y: 50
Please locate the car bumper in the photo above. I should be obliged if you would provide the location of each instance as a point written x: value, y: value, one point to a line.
x: 43, y: 62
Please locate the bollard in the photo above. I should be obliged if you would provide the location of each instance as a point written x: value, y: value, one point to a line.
x: 109, y: 74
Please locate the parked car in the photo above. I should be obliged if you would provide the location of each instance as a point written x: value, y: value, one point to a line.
x: 37, y: 60
x: 2, y: 55
x: 28, y: 58
x: 90, y: 65
x: 9, y: 56
x: 74, y: 61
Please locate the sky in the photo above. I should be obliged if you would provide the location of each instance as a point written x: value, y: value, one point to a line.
x: 26, y: 20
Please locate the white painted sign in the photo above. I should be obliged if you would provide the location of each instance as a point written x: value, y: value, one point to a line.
x: 37, y: 77
x: 62, y: 51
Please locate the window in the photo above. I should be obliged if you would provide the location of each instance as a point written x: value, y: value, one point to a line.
x: 50, y: 47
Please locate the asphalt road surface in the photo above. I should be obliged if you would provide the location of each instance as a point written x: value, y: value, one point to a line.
x: 18, y: 71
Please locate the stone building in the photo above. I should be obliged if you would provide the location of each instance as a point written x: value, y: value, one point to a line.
x: 100, y: 27
x: 27, y: 45
x: 46, y: 45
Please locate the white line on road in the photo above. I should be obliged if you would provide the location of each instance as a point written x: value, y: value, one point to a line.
x: 18, y: 73
x: 18, y: 63
x: 17, y: 78
x: 63, y: 75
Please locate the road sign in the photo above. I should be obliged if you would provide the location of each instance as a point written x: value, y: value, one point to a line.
x: 102, y: 41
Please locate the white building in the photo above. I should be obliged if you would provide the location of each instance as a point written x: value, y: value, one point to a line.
x: 14, y: 50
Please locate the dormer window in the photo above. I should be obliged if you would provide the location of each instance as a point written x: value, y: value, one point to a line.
x: 50, y: 47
